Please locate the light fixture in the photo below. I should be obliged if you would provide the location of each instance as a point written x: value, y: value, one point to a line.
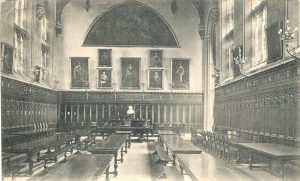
x: 86, y: 89
x: 114, y: 87
x: 87, y: 5
x: 240, y: 60
x: 216, y: 75
x: 287, y: 36
x: 142, y: 85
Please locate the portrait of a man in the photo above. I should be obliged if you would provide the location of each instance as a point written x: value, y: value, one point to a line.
x: 156, y: 58
x: 130, y: 72
x: 7, y: 53
x: 180, y: 73
x: 104, y: 78
x: 104, y: 58
x: 155, y: 79
x: 79, y: 72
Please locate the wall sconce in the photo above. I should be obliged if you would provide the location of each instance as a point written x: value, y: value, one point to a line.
x: 36, y: 73
x: 287, y: 35
x: 86, y: 89
x: 114, y: 87
x: 142, y: 86
x: 239, y: 60
x: 216, y: 75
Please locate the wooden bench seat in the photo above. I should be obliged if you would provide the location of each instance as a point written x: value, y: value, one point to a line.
x: 172, y: 173
x: 13, y: 170
x: 162, y: 154
x: 53, y: 155
x: 87, y: 142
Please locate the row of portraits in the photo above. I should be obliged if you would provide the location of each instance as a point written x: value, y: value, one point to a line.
x: 130, y: 74
x: 155, y: 60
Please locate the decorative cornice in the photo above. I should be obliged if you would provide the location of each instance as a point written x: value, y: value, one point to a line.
x: 132, y: 97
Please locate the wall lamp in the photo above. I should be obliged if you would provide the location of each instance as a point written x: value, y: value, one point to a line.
x: 287, y: 36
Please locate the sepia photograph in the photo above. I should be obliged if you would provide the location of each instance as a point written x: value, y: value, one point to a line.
x: 104, y: 78
x: 130, y: 73
x: 180, y: 73
x: 104, y: 58
x: 150, y: 90
x: 156, y: 59
x: 79, y: 72
x: 155, y: 78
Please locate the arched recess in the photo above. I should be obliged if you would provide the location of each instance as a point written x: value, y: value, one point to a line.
x: 130, y: 24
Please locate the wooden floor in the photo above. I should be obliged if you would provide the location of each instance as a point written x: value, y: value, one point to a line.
x: 138, y: 166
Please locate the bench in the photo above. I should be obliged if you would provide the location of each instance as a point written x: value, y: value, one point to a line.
x: 52, y: 156
x: 162, y: 154
x: 172, y: 173
x: 87, y: 141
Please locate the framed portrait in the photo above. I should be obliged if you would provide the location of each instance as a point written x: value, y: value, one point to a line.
x: 79, y: 72
x: 156, y: 58
x: 104, y: 58
x: 130, y: 73
x: 104, y: 78
x: 180, y: 73
x: 155, y: 77
x: 7, y: 52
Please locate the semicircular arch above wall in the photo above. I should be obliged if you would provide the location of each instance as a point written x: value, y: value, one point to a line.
x: 130, y: 24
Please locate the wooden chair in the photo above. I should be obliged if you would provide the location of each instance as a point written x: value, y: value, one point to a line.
x: 267, y: 138
x: 289, y: 141
x: 256, y: 137
x: 280, y: 139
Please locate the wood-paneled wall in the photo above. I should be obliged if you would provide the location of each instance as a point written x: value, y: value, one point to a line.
x: 265, y: 102
x: 161, y: 108
x: 24, y: 104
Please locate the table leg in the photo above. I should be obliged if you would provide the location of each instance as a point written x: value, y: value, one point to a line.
x: 126, y: 144
x: 122, y: 155
x: 181, y: 170
x: 29, y: 158
x: 116, y: 164
x: 147, y: 135
x: 282, y: 162
x: 250, y: 160
x: 174, y: 161
x: 129, y: 143
x: 107, y: 174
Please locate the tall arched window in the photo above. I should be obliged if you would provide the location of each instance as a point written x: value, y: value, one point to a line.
x: 259, y: 41
x: 19, y: 36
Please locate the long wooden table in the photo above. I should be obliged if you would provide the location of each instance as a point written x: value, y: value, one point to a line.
x: 112, y: 129
x: 177, y: 145
x: 205, y: 167
x: 31, y: 147
x: 34, y: 134
x: 164, y: 132
x: 80, y: 167
x: 272, y: 151
x: 111, y: 145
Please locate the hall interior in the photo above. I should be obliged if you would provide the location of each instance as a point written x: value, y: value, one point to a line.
x: 150, y: 90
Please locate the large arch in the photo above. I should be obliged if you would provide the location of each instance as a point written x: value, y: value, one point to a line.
x: 130, y: 24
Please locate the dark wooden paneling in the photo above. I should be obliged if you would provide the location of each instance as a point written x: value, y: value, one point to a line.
x: 25, y: 104
x: 156, y: 107
x: 267, y: 101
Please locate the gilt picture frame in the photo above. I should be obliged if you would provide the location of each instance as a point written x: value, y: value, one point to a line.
x: 155, y: 79
x: 79, y: 72
x: 104, y: 80
x: 156, y: 58
x: 130, y: 76
x: 180, y: 73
